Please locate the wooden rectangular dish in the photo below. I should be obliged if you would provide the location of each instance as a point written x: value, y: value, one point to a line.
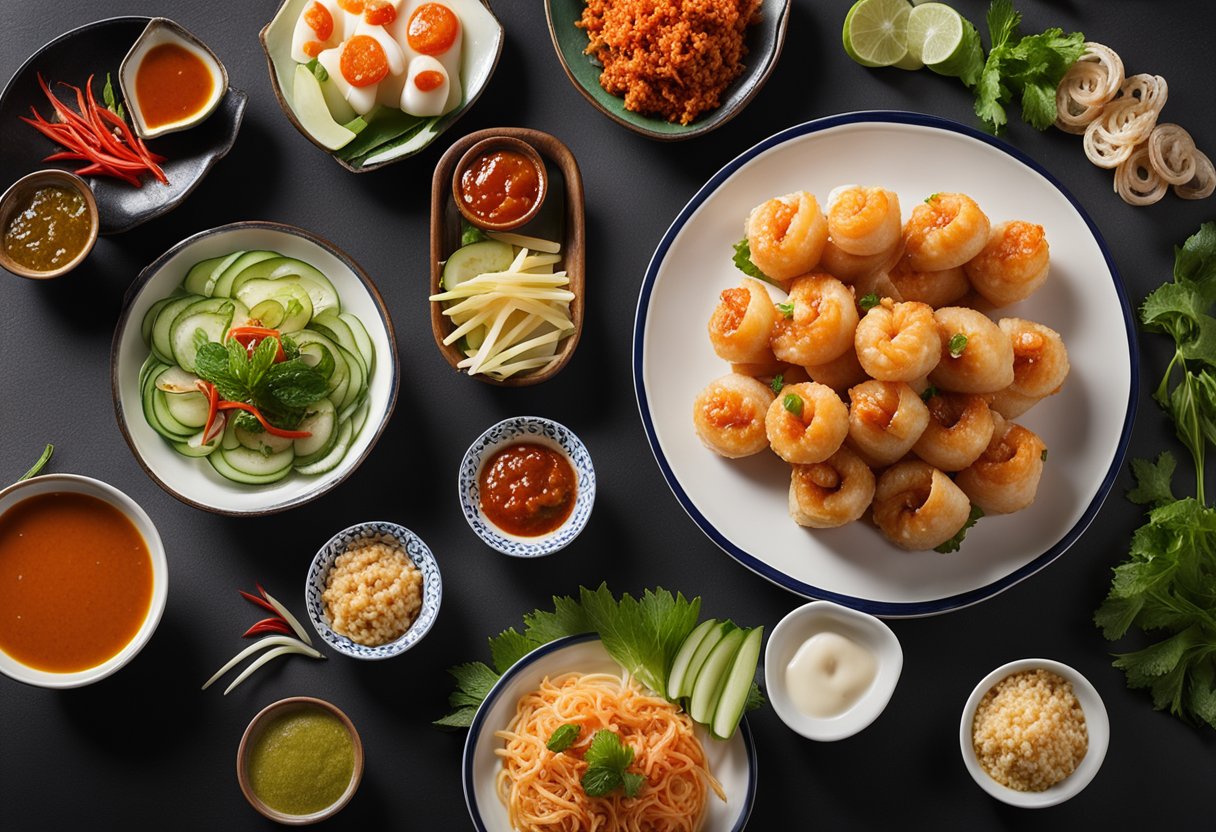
x: 561, y: 218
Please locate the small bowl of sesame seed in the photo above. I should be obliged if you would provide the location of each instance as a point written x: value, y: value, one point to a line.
x: 373, y: 590
x: 1033, y: 733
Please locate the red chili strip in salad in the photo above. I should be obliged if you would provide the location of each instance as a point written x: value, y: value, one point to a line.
x: 271, y: 429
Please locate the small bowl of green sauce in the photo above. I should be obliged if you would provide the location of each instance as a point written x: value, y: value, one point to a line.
x: 300, y: 761
x: 49, y: 223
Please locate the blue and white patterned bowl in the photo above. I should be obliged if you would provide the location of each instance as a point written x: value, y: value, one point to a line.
x: 418, y: 552
x: 509, y: 432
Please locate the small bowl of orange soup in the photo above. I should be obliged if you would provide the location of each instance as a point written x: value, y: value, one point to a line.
x: 527, y: 486
x: 170, y: 79
x: 83, y: 580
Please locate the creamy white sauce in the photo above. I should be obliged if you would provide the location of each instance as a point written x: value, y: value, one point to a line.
x: 828, y: 674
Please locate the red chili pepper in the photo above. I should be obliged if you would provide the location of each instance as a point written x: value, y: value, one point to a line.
x: 271, y: 429
x: 268, y: 625
x: 249, y: 336
x: 261, y: 602
x: 213, y: 401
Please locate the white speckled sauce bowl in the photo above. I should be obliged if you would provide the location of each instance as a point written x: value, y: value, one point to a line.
x: 509, y: 432
x: 415, y: 550
x: 1097, y: 726
x: 73, y: 483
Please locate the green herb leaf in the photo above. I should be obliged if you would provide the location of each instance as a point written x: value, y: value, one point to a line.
x: 607, y: 758
x: 319, y: 72
x: 930, y: 198
x: 567, y: 618
x: 956, y: 542
x: 600, y: 782
x: 793, y: 403
x: 632, y: 783
x: 786, y: 309
x: 37, y: 467
x: 869, y: 301
x: 460, y: 718
x: 111, y: 100
x: 508, y: 647
x: 777, y: 383
x: 1153, y: 480
x: 755, y: 699
x: 743, y: 262
x: 474, y: 681
x: 563, y: 737
x: 642, y: 635
x: 928, y: 393
x: 470, y: 233
x: 1043, y: 456
x: 213, y: 363
x: 958, y: 343
x: 295, y: 384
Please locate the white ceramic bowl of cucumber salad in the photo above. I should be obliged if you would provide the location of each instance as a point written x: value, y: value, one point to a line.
x: 252, y: 274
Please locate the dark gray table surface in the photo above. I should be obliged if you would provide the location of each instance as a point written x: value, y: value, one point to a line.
x: 147, y: 749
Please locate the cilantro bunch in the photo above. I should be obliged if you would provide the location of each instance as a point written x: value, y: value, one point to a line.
x: 1028, y: 67
x: 1167, y: 586
x: 281, y: 391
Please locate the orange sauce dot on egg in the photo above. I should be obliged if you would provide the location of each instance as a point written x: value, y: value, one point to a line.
x: 379, y: 12
x: 363, y: 61
x: 428, y: 80
x: 433, y: 28
x: 313, y: 48
x: 320, y: 21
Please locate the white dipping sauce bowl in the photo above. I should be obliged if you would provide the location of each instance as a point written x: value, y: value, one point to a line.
x: 867, y: 631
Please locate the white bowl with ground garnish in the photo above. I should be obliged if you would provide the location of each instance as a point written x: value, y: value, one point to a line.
x: 373, y: 590
x: 1033, y: 733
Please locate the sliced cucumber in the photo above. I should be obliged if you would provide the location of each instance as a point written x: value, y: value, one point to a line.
x: 357, y: 384
x: 335, y: 455
x: 145, y: 326
x: 188, y: 324
x: 708, y: 685
x: 267, y: 313
x: 701, y: 654
x: 253, y: 292
x: 320, y: 289
x: 221, y: 280
x: 333, y: 327
x: 478, y: 258
x: 186, y: 449
x: 264, y: 443
x: 256, y: 463
x: 322, y: 423
x: 679, y: 667
x: 189, y: 409
x: 738, y: 684
x: 162, y: 328
x: 359, y: 419
x: 170, y: 428
x: 367, y: 350
x: 220, y: 462
x: 199, y: 276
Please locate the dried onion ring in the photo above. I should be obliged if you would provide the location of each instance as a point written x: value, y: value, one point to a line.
x: 1137, y: 181
x: 1092, y: 81
x: 1204, y: 182
x: 1172, y: 153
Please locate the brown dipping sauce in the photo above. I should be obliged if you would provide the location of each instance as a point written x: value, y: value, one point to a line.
x: 75, y: 582
x: 172, y: 84
x: 50, y: 230
x: 528, y: 489
x: 500, y: 186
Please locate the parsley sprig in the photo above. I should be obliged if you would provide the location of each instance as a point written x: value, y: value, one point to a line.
x: 1165, y: 588
x: 281, y: 391
x: 607, y: 759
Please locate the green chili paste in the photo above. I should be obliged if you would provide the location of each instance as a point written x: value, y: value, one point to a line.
x: 302, y: 762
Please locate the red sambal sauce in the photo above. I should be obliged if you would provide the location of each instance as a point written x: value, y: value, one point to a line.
x: 528, y: 489
x: 500, y: 186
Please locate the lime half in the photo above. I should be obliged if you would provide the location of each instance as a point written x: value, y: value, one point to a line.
x: 944, y: 40
x: 876, y: 32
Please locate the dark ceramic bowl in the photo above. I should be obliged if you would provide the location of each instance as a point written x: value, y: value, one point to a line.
x: 764, y: 41
x: 95, y: 49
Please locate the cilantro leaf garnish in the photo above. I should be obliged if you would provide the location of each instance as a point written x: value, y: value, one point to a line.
x: 777, y: 383
x: 607, y: 758
x: 956, y: 542
x: 743, y: 262
x: 563, y: 737
x: 928, y: 393
x: 868, y: 302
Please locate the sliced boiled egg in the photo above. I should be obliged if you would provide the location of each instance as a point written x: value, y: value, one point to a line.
x: 321, y: 25
x: 426, y: 88
x: 433, y: 29
x: 356, y: 68
x: 392, y: 50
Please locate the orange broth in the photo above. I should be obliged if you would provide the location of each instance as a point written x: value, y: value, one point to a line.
x: 172, y: 84
x: 75, y: 582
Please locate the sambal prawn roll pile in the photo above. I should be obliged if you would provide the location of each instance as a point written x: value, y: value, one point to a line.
x: 872, y: 364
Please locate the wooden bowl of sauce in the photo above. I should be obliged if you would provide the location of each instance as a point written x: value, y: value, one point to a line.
x: 500, y: 183
x: 83, y: 580
x: 49, y: 221
x: 300, y: 761
x: 170, y: 79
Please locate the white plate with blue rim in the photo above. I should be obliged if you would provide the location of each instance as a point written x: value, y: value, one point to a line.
x: 732, y: 762
x: 512, y: 431
x: 418, y: 553
x: 741, y: 505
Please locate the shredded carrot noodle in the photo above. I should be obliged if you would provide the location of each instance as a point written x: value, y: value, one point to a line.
x: 542, y: 789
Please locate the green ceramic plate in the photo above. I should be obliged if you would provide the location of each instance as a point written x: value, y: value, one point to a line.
x: 764, y: 42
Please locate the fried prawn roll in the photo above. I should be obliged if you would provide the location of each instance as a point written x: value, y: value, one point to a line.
x: 959, y: 428
x: 786, y: 235
x: 742, y: 323
x: 976, y: 356
x: 885, y: 420
x: 806, y: 423
x: 831, y: 493
x: 729, y: 414
x: 818, y: 323
x: 918, y: 507
x: 1006, y: 476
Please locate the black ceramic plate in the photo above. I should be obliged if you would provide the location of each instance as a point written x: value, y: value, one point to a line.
x: 98, y: 48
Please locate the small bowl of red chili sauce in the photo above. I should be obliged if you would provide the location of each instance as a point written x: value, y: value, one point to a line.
x: 500, y: 183
x: 527, y: 486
